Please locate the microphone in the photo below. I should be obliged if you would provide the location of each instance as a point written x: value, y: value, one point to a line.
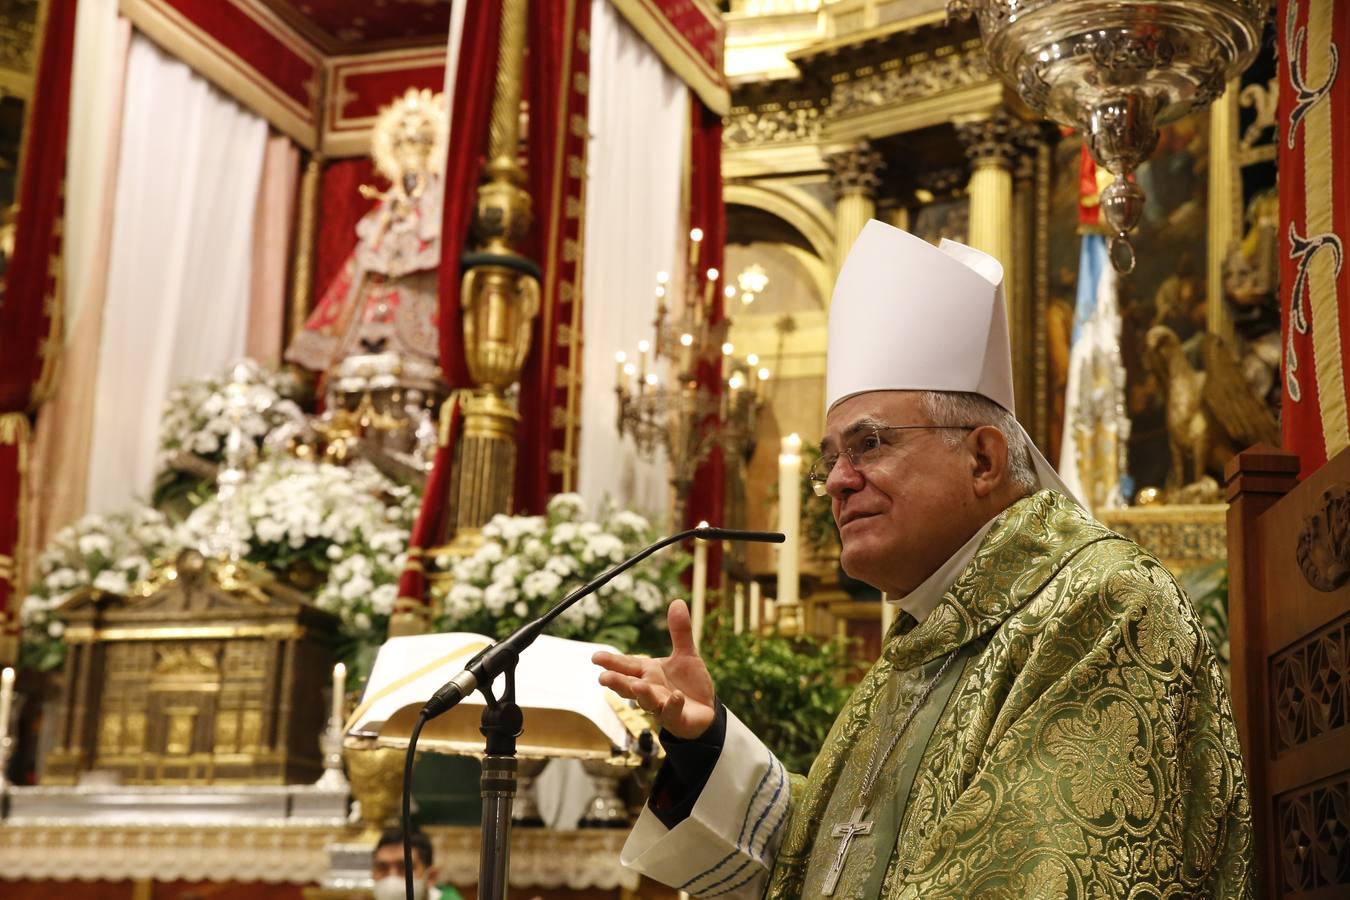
x: 492, y: 661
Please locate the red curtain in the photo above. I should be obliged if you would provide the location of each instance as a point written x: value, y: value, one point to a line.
x: 1314, y: 114
x: 550, y: 384
x: 341, y: 206
x: 30, y: 299
x: 707, y: 211
x: 470, y: 111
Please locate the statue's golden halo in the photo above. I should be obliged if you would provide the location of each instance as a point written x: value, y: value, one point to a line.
x: 418, y: 113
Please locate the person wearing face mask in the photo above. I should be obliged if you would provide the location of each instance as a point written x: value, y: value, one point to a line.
x: 386, y: 868
x: 1047, y: 718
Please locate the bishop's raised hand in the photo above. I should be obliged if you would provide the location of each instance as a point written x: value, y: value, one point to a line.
x: 677, y: 688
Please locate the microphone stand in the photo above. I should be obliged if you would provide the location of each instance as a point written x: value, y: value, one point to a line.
x: 503, y: 721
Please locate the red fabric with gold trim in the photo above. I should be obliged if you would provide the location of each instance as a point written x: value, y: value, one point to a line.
x: 1314, y: 112
x: 30, y: 299
x: 341, y: 206
x: 470, y: 111
x: 557, y: 73
x: 361, y: 89
x: 707, y: 211
x: 255, y: 43
x: 690, y: 38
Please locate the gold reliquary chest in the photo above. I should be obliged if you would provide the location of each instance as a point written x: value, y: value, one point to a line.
x: 210, y: 672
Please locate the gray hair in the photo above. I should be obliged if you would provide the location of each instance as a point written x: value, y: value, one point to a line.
x: 958, y: 408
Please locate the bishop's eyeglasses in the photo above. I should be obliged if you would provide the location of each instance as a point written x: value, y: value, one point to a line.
x: 865, y: 448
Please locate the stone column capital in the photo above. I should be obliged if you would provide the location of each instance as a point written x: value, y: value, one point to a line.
x: 997, y: 139
x: 855, y: 170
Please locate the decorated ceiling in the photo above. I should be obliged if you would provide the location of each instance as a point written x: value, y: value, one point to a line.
x: 342, y: 26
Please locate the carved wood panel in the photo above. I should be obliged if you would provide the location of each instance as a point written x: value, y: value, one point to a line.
x: 1310, y: 685
x: 1314, y: 830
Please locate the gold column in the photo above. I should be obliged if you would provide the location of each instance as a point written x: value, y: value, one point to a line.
x: 1019, y: 278
x: 302, y: 266
x: 898, y: 216
x: 990, y: 143
x: 1225, y: 206
x: 500, y: 296
x: 855, y: 175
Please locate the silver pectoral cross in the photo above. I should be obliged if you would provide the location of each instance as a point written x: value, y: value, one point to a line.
x: 846, y: 832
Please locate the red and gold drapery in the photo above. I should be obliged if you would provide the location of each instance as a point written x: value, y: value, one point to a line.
x: 30, y: 300
x: 1314, y: 114
x: 708, y: 212
x: 470, y: 110
x: 690, y: 37
x: 557, y: 79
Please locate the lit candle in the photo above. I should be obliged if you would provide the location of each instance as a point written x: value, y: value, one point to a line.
x: 619, y: 359
x: 738, y: 610
x: 700, y: 585
x: 695, y: 237
x: 710, y: 289
x: 6, y: 700
x: 754, y: 607
x: 644, y: 350
x: 339, y: 692
x: 789, y: 517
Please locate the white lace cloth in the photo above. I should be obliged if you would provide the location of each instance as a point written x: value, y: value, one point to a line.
x: 540, y: 858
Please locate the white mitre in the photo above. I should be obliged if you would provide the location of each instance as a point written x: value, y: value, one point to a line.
x: 908, y: 316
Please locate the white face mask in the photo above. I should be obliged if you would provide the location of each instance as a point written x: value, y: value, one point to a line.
x: 392, y: 887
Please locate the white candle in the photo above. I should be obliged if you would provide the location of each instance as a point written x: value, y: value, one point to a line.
x: 887, y: 615
x: 700, y: 586
x: 738, y: 610
x: 789, y: 516
x: 339, y: 691
x: 6, y: 700
x: 754, y: 607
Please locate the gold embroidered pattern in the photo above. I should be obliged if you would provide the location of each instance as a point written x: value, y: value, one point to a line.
x: 1089, y: 749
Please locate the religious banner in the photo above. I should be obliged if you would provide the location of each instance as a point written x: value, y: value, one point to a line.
x: 31, y: 301
x: 1314, y: 114
x: 1096, y: 429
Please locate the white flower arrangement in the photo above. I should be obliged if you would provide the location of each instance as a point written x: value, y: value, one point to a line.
x: 110, y: 553
x: 529, y: 563
x: 197, y: 417
x: 347, y: 525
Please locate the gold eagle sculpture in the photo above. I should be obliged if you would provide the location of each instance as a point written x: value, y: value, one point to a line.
x: 1212, y: 413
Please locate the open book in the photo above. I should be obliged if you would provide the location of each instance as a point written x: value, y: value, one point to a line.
x: 567, y: 712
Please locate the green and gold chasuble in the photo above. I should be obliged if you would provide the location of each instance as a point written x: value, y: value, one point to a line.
x: 1081, y: 746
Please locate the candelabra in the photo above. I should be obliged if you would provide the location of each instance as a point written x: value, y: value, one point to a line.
x: 679, y: 413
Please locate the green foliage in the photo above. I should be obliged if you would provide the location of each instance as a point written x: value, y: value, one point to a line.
x: 1207, y: 586
x: 788, y: 691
